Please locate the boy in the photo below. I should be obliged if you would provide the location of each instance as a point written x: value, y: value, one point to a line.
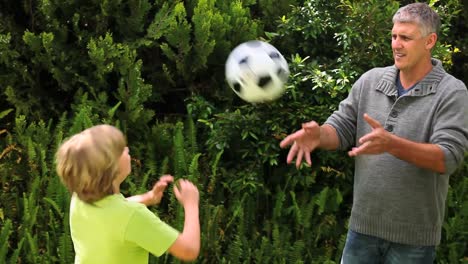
x: 106, y: 227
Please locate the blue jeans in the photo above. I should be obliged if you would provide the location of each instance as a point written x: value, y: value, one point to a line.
x: 364, y: 249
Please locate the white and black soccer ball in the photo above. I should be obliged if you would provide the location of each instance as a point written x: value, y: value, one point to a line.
x: 257, y: 71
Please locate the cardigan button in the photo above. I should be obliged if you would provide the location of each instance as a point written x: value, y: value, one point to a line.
x: 394, y: 114
x: 389, y: 128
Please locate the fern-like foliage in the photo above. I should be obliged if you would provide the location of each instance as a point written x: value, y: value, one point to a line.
x: 296, y: 254
x: 204, y: 18
x: 212, y: 235
x: 279, y: 199
x: 33, y: 247
x: 180, y: 161
x: 191, y: 137
x: 277, y: 243
x: 263, y: 254
x: 83, y: 117
x: 14, y: 259
x: 297, y: 211
x: 235, y: 250
x: 30, y: 207
x: 5, y: 232
x: 65, y: 246
x: 193, y: 169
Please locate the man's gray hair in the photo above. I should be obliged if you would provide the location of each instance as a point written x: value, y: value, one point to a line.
x: 420, y: 13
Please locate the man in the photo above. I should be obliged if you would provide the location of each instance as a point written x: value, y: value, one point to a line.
x: 408, y: 124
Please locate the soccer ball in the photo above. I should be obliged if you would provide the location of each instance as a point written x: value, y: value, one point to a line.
x: 257, y: 72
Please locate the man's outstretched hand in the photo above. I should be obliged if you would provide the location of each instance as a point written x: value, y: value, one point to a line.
x: 302, y: 143
x: 376, y: 142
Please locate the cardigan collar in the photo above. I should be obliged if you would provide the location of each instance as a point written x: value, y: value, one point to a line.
x: 426, y: 86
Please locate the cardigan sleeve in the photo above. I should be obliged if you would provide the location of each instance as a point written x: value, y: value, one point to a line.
x: 450, y: 127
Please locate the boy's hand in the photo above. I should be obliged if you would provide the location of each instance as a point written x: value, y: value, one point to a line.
x: 186, y: 193
x: 156, y: 194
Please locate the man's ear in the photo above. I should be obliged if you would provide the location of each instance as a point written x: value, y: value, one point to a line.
x: 431, y: 41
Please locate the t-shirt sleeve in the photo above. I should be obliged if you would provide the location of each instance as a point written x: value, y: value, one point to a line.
x: 149, y: 232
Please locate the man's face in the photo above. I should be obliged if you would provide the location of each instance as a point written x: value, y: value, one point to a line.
x: 410, y: 48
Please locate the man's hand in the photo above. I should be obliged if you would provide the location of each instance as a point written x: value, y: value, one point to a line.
x: 377, y: 141
x: 303, y: 142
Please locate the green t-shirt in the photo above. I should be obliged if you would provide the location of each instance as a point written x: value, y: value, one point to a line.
x: 114, y: 230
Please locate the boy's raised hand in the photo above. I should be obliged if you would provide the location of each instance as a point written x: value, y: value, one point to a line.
x: 159, y: 187
x: 154, y: 195
x: 186, y: 193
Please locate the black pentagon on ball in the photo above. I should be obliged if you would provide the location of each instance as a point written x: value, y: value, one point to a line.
x: 263, y: 81
x: 274, y: 55
x: 244, y: 60
x: 282, y: 74
x: 236, y: 86
x: 253, y: 43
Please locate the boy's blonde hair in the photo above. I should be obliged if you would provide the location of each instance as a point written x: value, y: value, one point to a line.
x: 88, y: 162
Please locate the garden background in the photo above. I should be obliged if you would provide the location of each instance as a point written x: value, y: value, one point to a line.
x: 155, y: 69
